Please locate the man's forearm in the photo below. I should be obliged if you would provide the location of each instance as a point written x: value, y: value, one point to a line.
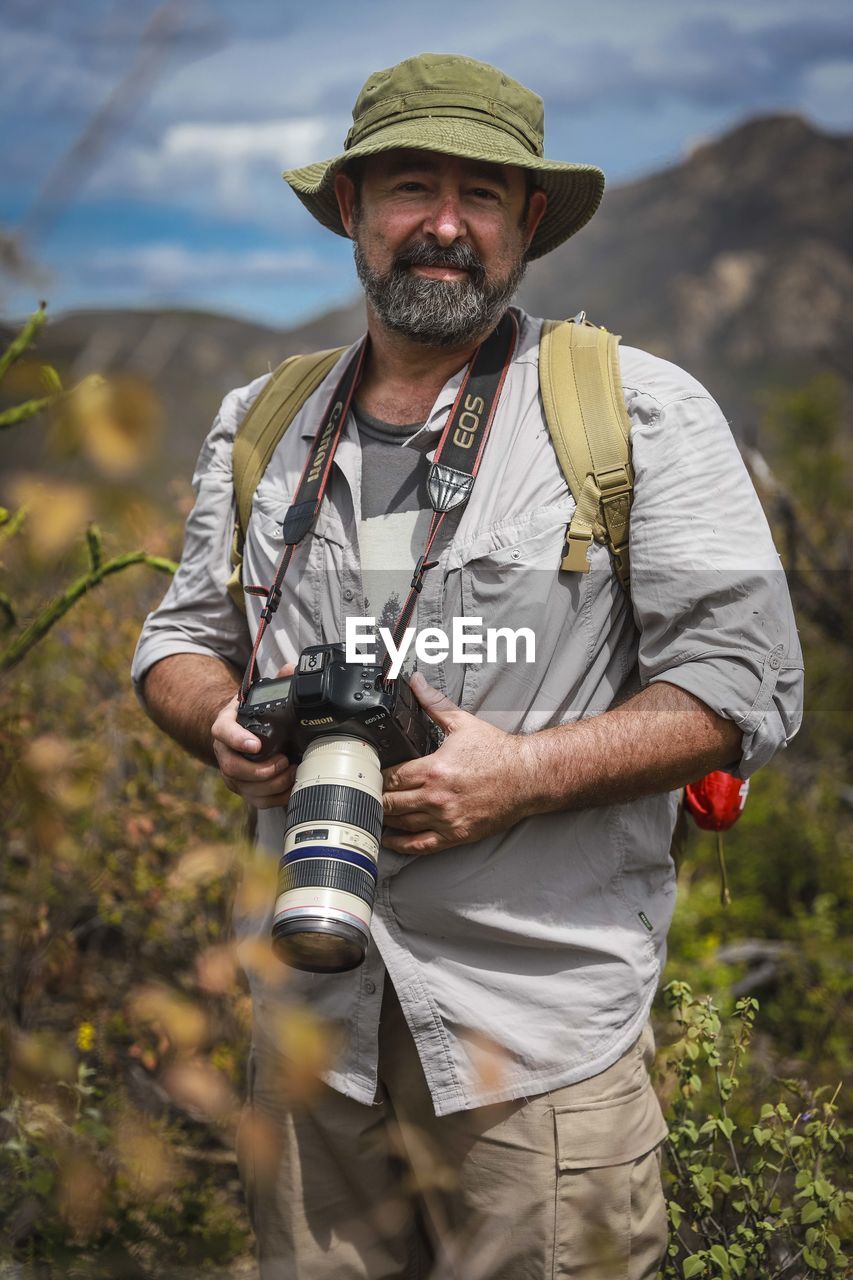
x: 184, y: 694
x: 656, y: 741
x: 482, y: 780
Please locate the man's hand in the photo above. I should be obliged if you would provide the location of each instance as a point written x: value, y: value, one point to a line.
x: 267, y: 785
x: 482, y: 780
x: 471, y: 787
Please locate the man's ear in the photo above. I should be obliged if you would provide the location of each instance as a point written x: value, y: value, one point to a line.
x: 536, y: 207
x: 346, y: 197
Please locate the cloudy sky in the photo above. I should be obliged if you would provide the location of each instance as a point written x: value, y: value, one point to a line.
x: 143, y: 141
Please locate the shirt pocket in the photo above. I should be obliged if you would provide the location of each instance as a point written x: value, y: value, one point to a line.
x: 311, y: 608
x: 506, y: 584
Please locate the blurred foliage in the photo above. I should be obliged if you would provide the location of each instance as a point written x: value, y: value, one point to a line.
x: 786, y: 937
x: 751, y: 1193
x: 125, y: 1015
x: 124, y: 1023
x: 94, y: 419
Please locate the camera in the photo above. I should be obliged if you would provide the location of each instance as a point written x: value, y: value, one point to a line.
x: 344, y: 723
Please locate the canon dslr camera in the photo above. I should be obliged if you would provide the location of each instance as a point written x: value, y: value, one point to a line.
x: 344, y: 723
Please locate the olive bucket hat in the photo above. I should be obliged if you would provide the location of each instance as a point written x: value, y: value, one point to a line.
x: 459, y: 107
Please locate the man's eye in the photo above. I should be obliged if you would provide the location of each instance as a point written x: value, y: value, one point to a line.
x: 484, y: 193
x: 410, y: 185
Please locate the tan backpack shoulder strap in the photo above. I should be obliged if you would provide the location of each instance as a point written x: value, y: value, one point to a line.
x: 586, y: 415
x: 293, y: 382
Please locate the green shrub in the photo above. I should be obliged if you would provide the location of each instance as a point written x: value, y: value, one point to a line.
x: 752, y: 1195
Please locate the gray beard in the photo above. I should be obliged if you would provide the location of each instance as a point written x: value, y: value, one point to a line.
x: 437, y: 313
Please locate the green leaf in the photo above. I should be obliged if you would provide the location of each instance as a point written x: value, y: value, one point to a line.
x: 51, y: 380
x: 720, y: 1255
x: 810, y: 1212
x: 694, y: 1266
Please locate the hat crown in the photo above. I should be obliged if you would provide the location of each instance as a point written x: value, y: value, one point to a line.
x: 449, y: 81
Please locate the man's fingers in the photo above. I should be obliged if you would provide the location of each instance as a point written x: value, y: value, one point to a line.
x: 265, y: 794
x: 437, y: 705
x: 396, y: 802
x: 423, y: 842
x: 234, y: 766
x: 408, y: 776
x: 416, y: 821
x: 226, y: 730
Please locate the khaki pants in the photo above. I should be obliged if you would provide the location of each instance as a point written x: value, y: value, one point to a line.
x: 566, y: 1184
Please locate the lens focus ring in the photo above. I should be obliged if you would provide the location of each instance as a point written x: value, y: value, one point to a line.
x: 332, y: 802
x: 327, y: 873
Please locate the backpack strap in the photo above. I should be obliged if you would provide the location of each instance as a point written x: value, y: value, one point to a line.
x: 258, y: 435
x: 590, y: 430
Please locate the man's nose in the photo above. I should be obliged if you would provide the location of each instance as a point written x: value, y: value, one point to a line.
x: 445, y: 221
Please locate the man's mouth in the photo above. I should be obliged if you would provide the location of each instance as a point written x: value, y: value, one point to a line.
x: 441, y: 273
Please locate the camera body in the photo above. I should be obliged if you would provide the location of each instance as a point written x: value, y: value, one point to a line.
x: 328, y: 695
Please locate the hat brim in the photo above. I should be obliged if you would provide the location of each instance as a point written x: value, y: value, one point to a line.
x: 574, y: 191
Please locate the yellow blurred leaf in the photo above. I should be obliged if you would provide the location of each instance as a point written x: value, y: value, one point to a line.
x: 492, y: 1064
x: 38, y: 1058
x: 216, y: 969
x: 114, y: 422
x: 257, y: 957
x: 259, y: 1147
x: 200, y: 1089
x: 49, y: 755
x: 182, y: 1022
x: 307, y: 1047
x: 82, y: 1192
x: 201, y: 865
x: 257, y: 889
x: 145, y: 1159
x: 57, y: 514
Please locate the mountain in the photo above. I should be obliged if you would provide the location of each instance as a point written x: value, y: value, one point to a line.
x: 736, y: 262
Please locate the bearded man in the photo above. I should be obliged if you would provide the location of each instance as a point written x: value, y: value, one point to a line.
x: 488, y: 1112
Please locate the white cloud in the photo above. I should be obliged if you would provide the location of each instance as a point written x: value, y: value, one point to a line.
x: 828, y: 94
x: 171, y: 266
x: 288, y: 142
x: 226, y: 169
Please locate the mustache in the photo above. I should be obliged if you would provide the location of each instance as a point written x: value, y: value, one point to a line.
x: 458, y: 256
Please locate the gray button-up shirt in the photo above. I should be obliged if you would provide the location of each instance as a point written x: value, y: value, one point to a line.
x: 528, y: 960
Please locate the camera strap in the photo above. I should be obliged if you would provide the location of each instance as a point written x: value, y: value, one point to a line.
x: 451, y: 476
x: 459, y: 452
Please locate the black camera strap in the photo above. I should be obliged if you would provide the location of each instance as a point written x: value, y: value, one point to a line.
x: 304, y: 509
x: 451, y: 476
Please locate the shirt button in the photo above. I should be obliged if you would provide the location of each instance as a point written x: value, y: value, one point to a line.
x: 775, y: 662
x: 369, y: 986
x: 348, y: 594
x: 515, y: 553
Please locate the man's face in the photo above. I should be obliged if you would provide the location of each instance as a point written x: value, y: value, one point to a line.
x: 440, y: 242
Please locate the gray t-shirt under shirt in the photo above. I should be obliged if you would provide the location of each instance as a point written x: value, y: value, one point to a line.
x: 395, y: 513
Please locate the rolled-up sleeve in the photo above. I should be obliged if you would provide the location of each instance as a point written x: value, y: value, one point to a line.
x: 709, y: 592
x: 197, y: 615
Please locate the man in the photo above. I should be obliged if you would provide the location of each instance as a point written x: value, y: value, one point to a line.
x: 488, y: 1112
